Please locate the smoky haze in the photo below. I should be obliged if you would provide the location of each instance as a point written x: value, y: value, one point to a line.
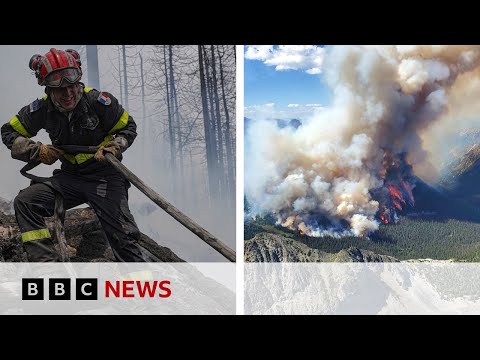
x: 19, y: 88
x: 146, y: 157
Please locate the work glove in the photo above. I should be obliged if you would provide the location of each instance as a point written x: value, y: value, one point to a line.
x: 27, y: 150
x: 114, y: 147
x: 48, y: 154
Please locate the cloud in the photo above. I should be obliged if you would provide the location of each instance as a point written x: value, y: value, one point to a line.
x: 303, y: 105
x: 303, y: 111
x: 259, y: 52
x: 262, y: 111
x: 308, y: 58
x: 275, y: 111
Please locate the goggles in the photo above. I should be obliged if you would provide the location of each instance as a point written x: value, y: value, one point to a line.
x: 62, y: 78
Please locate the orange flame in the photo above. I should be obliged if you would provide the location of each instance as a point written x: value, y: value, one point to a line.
x: 397, y: 204
x: 408, y: 189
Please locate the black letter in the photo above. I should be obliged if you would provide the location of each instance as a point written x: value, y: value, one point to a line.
x: 32, y: 289
x: 87, y: 289
x: 59, y: 289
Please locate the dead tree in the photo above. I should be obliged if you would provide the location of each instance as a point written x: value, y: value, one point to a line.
x: 228, y: 136
x: 209, y: 141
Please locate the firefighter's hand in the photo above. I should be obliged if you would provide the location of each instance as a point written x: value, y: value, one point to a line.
x: 48, y: 154
x: 111, y: 147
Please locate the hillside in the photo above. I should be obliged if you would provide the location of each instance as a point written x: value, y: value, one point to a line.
x: 414, y: 237
x: 265, y: 247
x: 462, y: 174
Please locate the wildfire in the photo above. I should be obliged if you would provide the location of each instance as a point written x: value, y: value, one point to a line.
x: 408, y: 189
x: 396, y: 194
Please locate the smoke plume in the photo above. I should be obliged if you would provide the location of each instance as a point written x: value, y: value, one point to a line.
x: 386, y: 99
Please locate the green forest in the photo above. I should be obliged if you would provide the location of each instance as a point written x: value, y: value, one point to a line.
x: 411, y: 238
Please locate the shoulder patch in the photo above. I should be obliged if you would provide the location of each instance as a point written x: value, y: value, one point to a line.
x: 104, y: 99
x: 34, y: 106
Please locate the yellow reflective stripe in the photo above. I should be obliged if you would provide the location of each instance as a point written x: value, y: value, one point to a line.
x: 81, y: 158
x: 45, y: 97
x: 106, y: 139
x: 70, y: 158
x: 121, y: 123
x: 18, y: 127
x: 87, y: 89
x: 35, y: 235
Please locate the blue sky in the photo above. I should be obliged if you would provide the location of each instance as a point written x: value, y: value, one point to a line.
x: 284, y: 81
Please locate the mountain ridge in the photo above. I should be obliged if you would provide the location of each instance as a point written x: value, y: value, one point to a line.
x: 267, y: 247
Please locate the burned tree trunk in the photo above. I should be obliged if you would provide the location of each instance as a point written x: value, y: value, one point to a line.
x: 228, y: 136
x: 146, y: 129
x: 207, y: 126
x: 213, y: 127
x: 221, y: 164
x: 92, y: 70
x: 171, y: 135
x: 125, y: 80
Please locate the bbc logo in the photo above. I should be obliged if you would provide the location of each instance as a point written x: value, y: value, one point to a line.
x: 59, y: 289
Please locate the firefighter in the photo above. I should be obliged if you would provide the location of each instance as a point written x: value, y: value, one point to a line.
x: 72, y: 114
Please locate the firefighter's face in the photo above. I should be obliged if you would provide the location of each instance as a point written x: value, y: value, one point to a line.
x: 67, y: 96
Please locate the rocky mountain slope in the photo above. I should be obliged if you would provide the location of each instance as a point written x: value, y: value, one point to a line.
x: 461, y: 175
x: 86, y: 240
x: 265, y: 247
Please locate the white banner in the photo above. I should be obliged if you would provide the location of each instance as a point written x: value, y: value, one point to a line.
x: 117, y: 288
x: 362, y: 288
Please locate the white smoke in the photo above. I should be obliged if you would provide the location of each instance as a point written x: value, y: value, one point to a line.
x: 385, y: 97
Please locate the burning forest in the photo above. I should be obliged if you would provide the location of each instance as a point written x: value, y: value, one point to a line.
x: 354, y: 165
x: 395, y: 196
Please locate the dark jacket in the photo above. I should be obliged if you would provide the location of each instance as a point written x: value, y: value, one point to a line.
x: 96, y: 118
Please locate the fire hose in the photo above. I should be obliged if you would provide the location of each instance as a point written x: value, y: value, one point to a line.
x: 183, y: 219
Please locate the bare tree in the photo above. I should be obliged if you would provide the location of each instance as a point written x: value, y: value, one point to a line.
x: 221, y: 164
x: 144, y: 109
x: 209, y: 145
x: 120, y: 76
x: 192, y: 93
x: 125, y: 81
x: 92, y: 70
x: 228, y: 136
x: 171, y: 133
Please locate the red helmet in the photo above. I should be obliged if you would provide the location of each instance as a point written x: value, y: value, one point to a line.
x: 57, y: 67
